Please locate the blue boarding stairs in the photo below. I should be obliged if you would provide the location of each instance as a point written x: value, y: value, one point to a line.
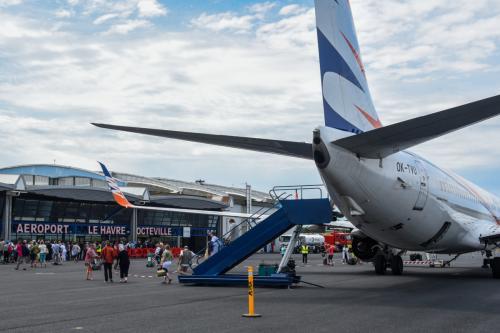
x: 290, y: 213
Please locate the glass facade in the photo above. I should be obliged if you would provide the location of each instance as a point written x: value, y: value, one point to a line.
x: 39, y: 218
x: 199, y: 226
x: 34, y: 218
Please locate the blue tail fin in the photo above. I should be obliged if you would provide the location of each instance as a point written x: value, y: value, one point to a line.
x: 346, y: 98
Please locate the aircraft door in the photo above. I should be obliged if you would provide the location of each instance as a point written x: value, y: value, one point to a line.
x: 423, y: 180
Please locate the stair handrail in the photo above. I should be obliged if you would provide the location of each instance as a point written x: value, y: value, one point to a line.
x: 273, y: 193
x: 255, y: 216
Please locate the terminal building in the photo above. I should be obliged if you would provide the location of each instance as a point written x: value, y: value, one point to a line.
x: 71, y: 204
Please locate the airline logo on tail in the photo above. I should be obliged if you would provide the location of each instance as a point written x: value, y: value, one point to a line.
x: 113, y: 187
x: 346, y: 98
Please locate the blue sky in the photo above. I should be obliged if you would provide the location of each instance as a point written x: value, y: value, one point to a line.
x: 233, y: 67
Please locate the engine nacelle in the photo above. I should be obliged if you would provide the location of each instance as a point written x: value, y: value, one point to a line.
x: 365, y: 248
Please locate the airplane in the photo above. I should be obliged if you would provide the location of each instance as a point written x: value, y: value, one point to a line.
x: 397, y: 200
x: 121, y: 200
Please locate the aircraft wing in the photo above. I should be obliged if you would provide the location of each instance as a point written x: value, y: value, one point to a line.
x: 123, y: 201
x: 385, y: 141
x: 288, y: 148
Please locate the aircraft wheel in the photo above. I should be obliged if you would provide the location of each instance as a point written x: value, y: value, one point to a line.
x: 380, y: 264
x: 495, y: 267
x: 396, y: 265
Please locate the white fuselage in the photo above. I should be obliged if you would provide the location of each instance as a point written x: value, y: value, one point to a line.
x: 407, y: 202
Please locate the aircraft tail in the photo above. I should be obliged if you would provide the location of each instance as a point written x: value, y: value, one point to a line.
x: 346, y: 98
x: 113, y: 187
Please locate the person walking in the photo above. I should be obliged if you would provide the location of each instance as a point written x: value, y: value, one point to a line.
x: 43, y: 254
x: 304, y: 249
x: 7, y: 252
x: 158, y: 253
x: 81, y: 255
x: 64, y: 251
x: 98, y: 249
x: 214, y: 245
x: 345, y: 255
x: 56, y: 255
x: 124, y: 262
x: 90, y: 255
x: 331, y: 251
x: 185, y: 260
x: 23, y: 254
x: 49, y: 251
x: 75, y: 252
x: 283, y: 250
x: 34, y: 251
x: 166, y: 261
x: 108, y: 258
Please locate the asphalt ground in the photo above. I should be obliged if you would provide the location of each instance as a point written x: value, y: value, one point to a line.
x: 463, y: 298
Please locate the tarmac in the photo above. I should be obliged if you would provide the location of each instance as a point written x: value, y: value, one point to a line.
x: 463, y: 298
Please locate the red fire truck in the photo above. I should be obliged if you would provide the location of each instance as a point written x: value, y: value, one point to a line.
x: 338, y: 238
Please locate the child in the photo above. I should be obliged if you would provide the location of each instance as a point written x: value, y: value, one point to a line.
x: 89, y: 257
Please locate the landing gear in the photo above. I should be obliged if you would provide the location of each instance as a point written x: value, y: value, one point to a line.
x: 396, y: 265
x: 388, y: 259
x: 495, y: 267
x: 380, y: 264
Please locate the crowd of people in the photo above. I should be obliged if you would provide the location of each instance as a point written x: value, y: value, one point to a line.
x: 105, y: 255
x: 327, y: 251
x: 39, y: 252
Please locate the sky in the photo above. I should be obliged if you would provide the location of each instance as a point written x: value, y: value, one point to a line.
x: 246, y: 68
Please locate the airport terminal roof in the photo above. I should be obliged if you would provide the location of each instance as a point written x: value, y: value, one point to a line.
x: 80, y: 184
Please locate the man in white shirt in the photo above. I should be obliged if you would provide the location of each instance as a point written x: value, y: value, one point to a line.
x: 214, y: 245
x: 75, y: 252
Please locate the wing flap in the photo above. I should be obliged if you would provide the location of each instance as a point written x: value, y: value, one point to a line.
x: 382, y: 142
x: 288, y: 148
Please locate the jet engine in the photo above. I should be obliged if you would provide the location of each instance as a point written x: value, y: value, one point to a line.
x: 364, y: 247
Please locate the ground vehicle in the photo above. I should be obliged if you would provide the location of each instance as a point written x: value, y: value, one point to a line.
x: 313, y: 241
x: 338, y: 238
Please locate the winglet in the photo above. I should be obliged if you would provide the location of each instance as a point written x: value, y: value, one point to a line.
x: 113, y: 187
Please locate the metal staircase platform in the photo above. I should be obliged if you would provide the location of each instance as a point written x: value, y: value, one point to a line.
x: 291, y: 212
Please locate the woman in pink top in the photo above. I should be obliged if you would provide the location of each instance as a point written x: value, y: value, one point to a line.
x: 331, y: 251
x: 89, y: 257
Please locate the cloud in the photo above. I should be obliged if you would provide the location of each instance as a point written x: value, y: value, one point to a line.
x: 104, y: 18
x: 63, y: 13
x: 127, y: 26
x: 6, y: 3
x: 261, y: 9
x: 292, y: 9
x: 120, y: 16
x: 14, y: 28
x: 151, y: 8
x: 234, y: 22
x: 436, y: 37
x: 224, y: 21
x: 292, y: 32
